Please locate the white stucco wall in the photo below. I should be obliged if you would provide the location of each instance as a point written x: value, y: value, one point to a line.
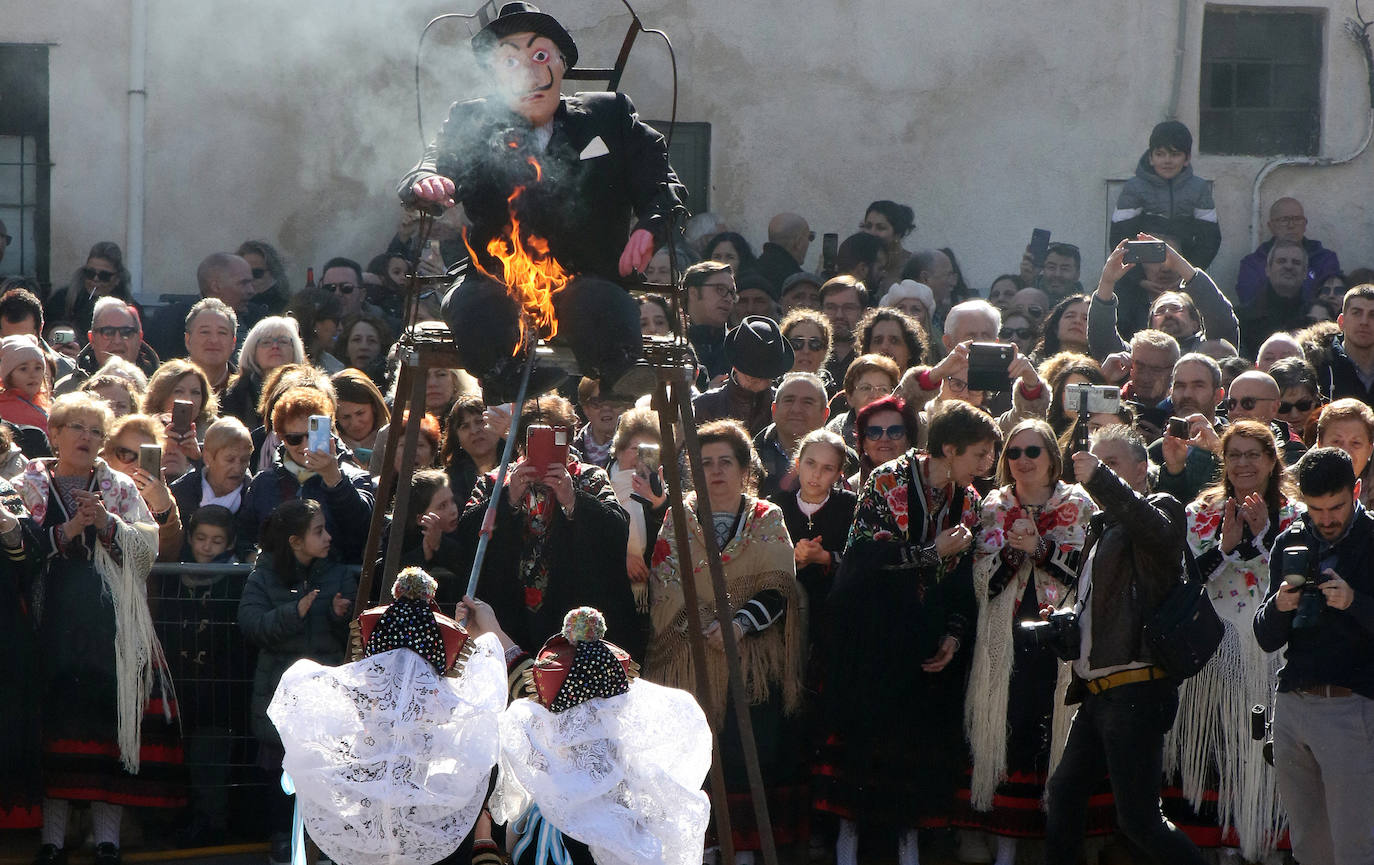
x: 290, y: 122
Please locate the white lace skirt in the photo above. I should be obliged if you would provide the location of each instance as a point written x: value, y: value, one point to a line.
x: 621, y: 774
x: 390, y: 760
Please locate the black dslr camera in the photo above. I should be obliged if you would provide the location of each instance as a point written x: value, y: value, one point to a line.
x: 1296, y: 568
x: 1060, y: 632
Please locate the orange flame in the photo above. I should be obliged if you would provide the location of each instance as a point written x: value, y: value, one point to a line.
x: 532, y: 277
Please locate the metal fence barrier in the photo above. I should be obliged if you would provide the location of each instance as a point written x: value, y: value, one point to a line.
x: 195, y: 613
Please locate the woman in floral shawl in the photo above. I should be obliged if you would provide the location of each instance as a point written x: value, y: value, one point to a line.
x: 108, y: 734
x: 1231, y: 529
x: 769, y: 620
x: 1026, y: 558
x: 903, y: 603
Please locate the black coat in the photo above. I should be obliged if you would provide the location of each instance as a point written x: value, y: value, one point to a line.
x: 589, y: 192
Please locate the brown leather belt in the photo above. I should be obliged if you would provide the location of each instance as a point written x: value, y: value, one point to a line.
x: 1326, y: 691
x: 1126, y: 677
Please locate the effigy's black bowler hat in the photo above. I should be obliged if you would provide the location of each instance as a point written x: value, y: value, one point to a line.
x: 520, y: 17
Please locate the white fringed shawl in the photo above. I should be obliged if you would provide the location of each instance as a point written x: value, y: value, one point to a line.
x: 985, y: 709
x: 138, y: 654
x: 1213, y: 724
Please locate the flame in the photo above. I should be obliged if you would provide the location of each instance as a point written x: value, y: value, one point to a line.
x: 532, y: 277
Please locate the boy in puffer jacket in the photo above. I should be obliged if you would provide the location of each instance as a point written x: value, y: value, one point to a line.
x: 1165, y: 187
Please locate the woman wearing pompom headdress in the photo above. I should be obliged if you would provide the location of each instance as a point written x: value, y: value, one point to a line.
x: 598, y: 765
x: 390, y: 756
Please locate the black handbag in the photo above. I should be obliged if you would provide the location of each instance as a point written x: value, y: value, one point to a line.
x: 1185, y: 630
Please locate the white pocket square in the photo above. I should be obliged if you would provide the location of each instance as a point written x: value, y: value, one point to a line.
x: 596, y: 148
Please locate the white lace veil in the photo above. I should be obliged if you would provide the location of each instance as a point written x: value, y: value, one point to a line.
x: 621, y: 774
x: 390, y: 760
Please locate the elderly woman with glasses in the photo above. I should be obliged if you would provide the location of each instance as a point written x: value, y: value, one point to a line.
x: 1034, y: 526
x: 272, y: 342
x: 1231, y: 530
x: 869, y: 377
x: 108, y: 733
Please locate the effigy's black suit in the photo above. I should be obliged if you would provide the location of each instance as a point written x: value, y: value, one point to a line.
x: 601, y: 169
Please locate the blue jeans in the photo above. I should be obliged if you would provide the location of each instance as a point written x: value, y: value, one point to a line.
x: 1120, y: 731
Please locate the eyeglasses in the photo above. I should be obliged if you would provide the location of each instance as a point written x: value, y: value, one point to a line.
x: 805, y: 343
x: 339, y: 287
x: 1300, y: 405
x: 870, y: 388
x: 125, y: 455
x: 98, y: 275
x: 1332, y: 290
x: 259, y: 272
x: 1018, y: 332
x: 1156, y: 368
x: 275, y: 341
x: 956, y: 384
x: 1168, y: 309
x: 109, y: 331
x: 81, y: 430
x: 1247, y: 403
x: 896, y: 432
x: 1289, y: 220
x: 1032, y: 452
x: 293, y: 439
x: 1244, y: 456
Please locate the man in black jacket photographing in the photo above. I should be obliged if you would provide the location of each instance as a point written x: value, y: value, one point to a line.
x: 1321, y: 606
x: 1132, y: 558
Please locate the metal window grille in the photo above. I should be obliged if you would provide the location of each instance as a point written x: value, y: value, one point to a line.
x: 24, y: 162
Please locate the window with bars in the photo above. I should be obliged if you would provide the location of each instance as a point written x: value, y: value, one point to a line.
x: 1260, y: 83
x: 24, y: 164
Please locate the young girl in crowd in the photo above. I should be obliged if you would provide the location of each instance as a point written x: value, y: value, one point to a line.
x: 24, y: 373
x: 295, y: 605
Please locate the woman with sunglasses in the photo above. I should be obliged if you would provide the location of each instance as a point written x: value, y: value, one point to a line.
x: 345, y: 492
x: 1027, y: 555
x: 1231, y: 530
x: 885, y: 428
x: 127, y: 436
x: 109, y: 730
x: 811, y: 336
x: 271, y: 285
x: 271, y: 343
x: 103, y: 274
x: 1020, y: 330
x: 1299, y: 399
x: 1331, y: 293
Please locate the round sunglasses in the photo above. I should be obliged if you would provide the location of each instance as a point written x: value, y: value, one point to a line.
x: 1032, y: 452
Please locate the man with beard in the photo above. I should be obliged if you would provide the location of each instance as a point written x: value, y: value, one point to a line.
x: 1254, y: 395
x: 1194, y: 310
x: 1350, y: 370
x: 1278, y: 305
x: 1187, y: 465
x: 587, y: 165
x: 843, y: 300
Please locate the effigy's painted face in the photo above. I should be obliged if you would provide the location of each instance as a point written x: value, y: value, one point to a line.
x: 528, y: 70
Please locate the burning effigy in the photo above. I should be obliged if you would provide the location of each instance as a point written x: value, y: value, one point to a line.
x: 565, y: 196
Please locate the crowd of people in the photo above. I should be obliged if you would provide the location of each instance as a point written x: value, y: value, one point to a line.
x: 905, y: 475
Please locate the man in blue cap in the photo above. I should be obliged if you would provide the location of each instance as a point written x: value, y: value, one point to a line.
x: 588, y: 166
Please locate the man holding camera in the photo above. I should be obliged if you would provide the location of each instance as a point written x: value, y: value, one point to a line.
x: 1321, y: 605
x: 1132, y: 559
